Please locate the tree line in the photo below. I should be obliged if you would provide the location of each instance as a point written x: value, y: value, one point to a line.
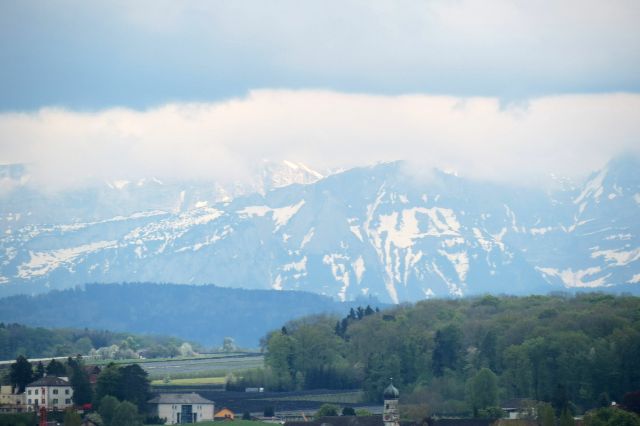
x: 467, y: 355
x: 38, y: 342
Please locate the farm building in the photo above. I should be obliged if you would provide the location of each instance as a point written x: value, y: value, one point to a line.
x: 181, y: 408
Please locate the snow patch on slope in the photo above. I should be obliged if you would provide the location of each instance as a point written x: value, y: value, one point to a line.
x: 339, y: 271
x: 307, y: 238
x: 356, y: 231
x: 460, y: 262
x: 277, y: 283
x: 593, y: 188
x: 173, y: 228
x: 358, y: 268
x: 43, y: 262
x: 280, y: 215
x: 210, y: 239
x: 401, y: 232
x: 251, y: 211
x: 577, y: 278
x: 617, y: 257
x: 454, y: 289
x: 300, y: 266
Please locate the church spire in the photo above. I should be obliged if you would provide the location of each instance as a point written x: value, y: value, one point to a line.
x: 390, y: 414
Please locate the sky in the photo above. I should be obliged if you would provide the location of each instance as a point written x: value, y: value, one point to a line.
x: 499, y: 90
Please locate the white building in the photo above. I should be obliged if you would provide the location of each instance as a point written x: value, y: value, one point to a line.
x: 180, y: 408
x: 54, y: 393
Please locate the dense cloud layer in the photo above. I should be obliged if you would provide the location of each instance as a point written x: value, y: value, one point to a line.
x: 478, y: 137
x: 144, y: 53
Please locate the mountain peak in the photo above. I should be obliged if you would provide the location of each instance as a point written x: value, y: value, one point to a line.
x: 378, y: 231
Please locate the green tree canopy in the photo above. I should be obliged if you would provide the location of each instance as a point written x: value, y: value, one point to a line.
x: 448, y: 343
x: 126, y: 414
x: 108, y: 382
x: 82, y: 391
x: 55, y: 368
x: 348, y: 411
x: 107, y: 408
x: 566, y: 419
x: 39, y: 371
x: 134, y: 386
x: 570, y: 351
x: 21, y: 373
x: 483, y: 390
x: 546, y: 415
x: 72, y: 418
x: 611, y: 417
x: 327, y: 410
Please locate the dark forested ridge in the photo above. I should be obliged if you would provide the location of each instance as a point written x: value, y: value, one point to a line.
x: 575, y: 352
x: 205, y: 314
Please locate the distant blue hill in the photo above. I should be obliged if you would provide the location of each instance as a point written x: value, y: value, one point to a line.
x: 205, y: 313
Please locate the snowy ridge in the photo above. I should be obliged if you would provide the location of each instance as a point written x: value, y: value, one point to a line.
x: 363, y: 232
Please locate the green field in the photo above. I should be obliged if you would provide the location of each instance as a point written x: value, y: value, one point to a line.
x: 337, y: 398
x: 210, y: 366
x: 191, y: 381
x: 152, y: 360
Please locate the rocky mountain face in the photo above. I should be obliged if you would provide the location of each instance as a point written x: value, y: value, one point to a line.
x: 375, y: 231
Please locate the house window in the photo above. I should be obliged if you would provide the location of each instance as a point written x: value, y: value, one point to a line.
x: 66, y: 391
x: 55, y: 391
x: 67, y: 401
x: 55, y: 400
x: 35, y: 391
x: 29, y: 400
x: 29, y: 391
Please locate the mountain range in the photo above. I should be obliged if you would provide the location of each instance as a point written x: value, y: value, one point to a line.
x: 377, y: 231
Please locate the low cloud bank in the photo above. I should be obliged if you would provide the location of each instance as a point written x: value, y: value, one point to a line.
x: 567, y: 135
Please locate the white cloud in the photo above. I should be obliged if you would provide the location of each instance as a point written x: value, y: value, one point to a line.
x: 570, y: 135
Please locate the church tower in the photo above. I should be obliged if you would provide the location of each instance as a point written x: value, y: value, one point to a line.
x: 390, y: 415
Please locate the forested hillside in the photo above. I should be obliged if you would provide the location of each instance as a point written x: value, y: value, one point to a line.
x: 462, y: 355
x: 16, y: 339
x: 205, y: 313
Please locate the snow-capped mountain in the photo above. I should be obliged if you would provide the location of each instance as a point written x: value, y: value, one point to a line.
x: 373, y: 231
x: 22, y: 204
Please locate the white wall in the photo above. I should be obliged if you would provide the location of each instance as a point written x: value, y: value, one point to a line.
x: 170, y: 411
x: 63, y: 395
